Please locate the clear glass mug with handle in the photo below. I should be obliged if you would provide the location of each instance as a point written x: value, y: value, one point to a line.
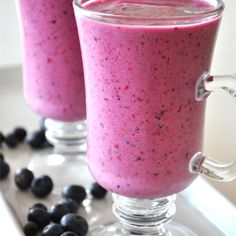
x: 201, y: 163
x: 146, y: 66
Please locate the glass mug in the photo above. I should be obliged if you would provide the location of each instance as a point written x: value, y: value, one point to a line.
x: 146, y: 66
x: 54, y: 87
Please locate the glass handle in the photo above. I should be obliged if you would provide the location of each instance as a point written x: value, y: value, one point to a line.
x: 208, y: 83
x: 200, y: 163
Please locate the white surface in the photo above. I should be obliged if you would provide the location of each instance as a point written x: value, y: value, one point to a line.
x: 212, y: 205
x: 200, y: 207
x: 8, y: 220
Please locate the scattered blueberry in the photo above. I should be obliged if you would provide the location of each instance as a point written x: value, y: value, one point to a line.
x: 69, y: 233
x: 39, y: 205
x: 97, y: 191
x: 57, y: 211
x: 11, y: 141
x: 46, y: 144
x: 36, y: 139
x: 75, y: 192
x: 75, y: 223
x: 30, y: 229
x: 2, y: 138
x: 42, y: 186
x: 19, y: 133
x: 23, y: 178
x: 53, y: 230
x: 1, y: 157
x: 39, y: 216
x: 4, y: 170
x: 71, y: 204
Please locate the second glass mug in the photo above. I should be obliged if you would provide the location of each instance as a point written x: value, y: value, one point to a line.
x: 146, y: 76
x: 54, y: 88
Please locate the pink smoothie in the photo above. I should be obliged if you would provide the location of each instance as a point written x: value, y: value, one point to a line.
x: 144, y: 124
x: 53, y: 75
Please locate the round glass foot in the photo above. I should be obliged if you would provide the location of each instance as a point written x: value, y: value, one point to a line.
x: 97, y: 211
x: 115, y: 229
x: 179, y: 230
x: 66, y: 165
x: 142, y: 217
x: 64, y: 170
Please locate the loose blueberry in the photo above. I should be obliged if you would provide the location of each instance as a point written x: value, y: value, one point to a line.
x: 75, y: 192
x: 23, y: 178
x: 57, y: 211
x: 19, y: 133
x: 39, y: 216
x: 36, y: 139
x: 30, y: 229
x: 2, y: 138
x: 1, y: 157
x: 42, y: 186
x: 53, y: 230
x: 75, y: 223
x: 71, y: 204
x: 97, y: 191
x: 39, y: 205
x: 11, y: 141
x: 4, y: 170
x: 69, y: 233
x: 46, y: 144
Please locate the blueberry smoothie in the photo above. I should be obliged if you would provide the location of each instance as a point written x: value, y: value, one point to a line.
x: 144, y: 124
x: 52, y: 67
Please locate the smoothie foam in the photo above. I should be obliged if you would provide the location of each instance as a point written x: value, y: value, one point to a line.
x: 144, y: 124
x: 53, y: 74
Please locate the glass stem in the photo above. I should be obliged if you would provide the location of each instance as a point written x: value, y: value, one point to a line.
x: 144, y: 216
x: 67, y: 137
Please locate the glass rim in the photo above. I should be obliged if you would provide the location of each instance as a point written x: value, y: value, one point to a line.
x: 172, y: 20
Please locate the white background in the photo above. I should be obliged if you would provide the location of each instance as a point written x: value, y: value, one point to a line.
x: 220, y: 138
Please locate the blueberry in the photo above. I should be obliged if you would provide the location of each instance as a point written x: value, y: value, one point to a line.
x: 39, y: 205
x: 97, y: 191
x: 11, y: 141
x: 19, y: 133
x: 57, y: 211
x: 53, y: 230
x: 46, y: 144
x: 30, y: 229
x: 39, y: 216
x: 23, y: 178
x: 1, y: 157
x: 2, y: 138
x: 75, y: 192
x: 69, y: 233
x: 42, y: 186
x: 36, y: 139
x: 4, y: 170
x: 75, y: 223
x: 71, y: 204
